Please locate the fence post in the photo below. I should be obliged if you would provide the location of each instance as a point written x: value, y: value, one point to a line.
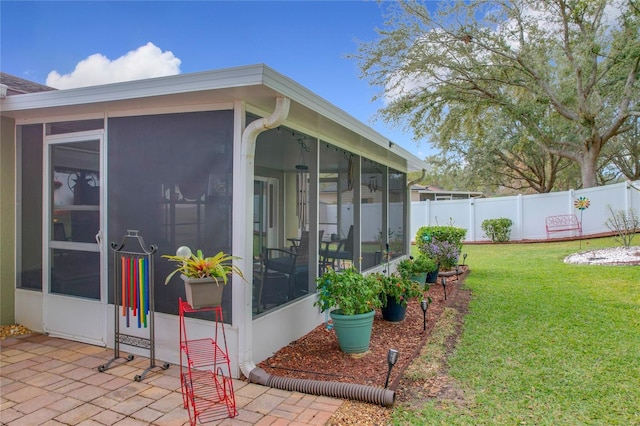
x: 472, y: 219
x: 520, y: 217
x: 571, y: 198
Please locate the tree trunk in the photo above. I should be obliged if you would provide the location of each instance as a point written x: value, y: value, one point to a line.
x: 588, y: 169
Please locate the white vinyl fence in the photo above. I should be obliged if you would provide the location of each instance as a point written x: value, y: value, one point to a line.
x: 528, y: 212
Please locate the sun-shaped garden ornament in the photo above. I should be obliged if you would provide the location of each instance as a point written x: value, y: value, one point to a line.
x: 581, y: 203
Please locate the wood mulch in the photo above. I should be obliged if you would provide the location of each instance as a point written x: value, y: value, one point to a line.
x: 317, y: 355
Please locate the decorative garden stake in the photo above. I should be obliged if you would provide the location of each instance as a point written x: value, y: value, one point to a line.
x: 444, y: 287
x: 392, y: 358
x: 581, y: 203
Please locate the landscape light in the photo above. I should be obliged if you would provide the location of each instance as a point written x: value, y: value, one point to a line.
x: 444, y: 287
x: 424, y: 305
x: 392, y: 358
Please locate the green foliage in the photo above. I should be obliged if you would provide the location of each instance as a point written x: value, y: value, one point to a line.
x: 542, y: 346
x: 441, y: 243
x: 499, y: 230
x: 624, y: 223
x: 397, y: 286
x: 348, y: 290
x: 216, y: 267
x: 452, y: 234
x: 474, y: 81
x: 416, y: 265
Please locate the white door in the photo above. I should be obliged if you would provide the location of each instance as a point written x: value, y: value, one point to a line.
x: 265, y: 214
x: 74, y: 279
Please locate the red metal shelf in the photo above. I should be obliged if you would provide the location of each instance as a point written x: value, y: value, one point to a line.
x: 205, y: 371
x: 210, y: 395
x: 203, y: 352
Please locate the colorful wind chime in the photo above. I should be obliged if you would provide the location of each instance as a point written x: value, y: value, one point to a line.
x: 135, y: 289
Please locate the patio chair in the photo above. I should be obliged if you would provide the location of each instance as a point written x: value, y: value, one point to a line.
x: 342, y: 253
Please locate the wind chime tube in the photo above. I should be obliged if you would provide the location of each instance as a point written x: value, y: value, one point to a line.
x: 123, y: 283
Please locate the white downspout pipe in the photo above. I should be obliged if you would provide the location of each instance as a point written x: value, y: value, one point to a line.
x: 243, y: 221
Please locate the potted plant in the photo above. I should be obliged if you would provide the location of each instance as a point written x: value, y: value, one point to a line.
x: 355, y: 298
x: 417, y: 268
x: 397, y: 291
x: 204, y: 277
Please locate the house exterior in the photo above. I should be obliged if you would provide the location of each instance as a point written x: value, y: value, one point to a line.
x: 227, y: 160
x: 434, y: 193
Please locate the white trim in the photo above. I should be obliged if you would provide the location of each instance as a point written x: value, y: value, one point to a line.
x: 129, y: 112
x: 21, y: 121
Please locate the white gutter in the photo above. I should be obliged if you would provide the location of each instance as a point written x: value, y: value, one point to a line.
x: 243, y: 213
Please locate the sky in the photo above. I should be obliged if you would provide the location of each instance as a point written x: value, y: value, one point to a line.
x: 74, y: 43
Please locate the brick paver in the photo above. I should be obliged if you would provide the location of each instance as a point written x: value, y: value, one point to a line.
x: 47, y: 381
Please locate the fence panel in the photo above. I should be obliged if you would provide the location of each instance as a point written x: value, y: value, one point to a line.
x: 528, y: 212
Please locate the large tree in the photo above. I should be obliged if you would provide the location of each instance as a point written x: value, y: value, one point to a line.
x: 622, y: 155
x: 566, y: 71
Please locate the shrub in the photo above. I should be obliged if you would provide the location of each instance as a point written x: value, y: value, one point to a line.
x: 499, y: 230
x: 441, y: 243
x: 451, y: 234
x: 416, y: 265
x: 624, y: 223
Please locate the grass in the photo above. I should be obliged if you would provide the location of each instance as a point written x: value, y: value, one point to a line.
x: 544, y: 343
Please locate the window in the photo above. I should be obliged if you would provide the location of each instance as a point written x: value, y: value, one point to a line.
x: 30, y: 206
x: 170, y: 177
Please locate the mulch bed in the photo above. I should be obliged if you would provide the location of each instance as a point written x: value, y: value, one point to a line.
x: 317, y: 355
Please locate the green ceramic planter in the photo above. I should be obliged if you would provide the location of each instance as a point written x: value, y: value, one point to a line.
x: 353, y: 331
x: 420, y: 278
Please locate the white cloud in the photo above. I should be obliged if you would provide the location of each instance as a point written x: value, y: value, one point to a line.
x: 145, y: 62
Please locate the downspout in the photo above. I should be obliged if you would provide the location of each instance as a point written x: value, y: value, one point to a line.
x: 247, y: 366
x: 247, y: 163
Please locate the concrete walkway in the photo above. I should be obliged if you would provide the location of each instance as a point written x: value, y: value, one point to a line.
x: 51, y: 381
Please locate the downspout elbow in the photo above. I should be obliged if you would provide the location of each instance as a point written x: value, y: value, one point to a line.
x: 251, y: 132
x: 413, y: 182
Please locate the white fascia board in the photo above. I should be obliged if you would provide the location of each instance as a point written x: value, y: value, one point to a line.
x: 159, y: 86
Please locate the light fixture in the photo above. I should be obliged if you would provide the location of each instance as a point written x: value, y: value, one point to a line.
x: 464, y: 258
x: 392, y: 358
x: 373, y: 183
x: 444, y: 287
x: 424, y: 305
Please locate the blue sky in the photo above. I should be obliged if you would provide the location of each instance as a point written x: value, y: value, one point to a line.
x: 305, y: 40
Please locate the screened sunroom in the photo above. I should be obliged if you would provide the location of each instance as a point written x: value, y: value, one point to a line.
x: 241, y: 160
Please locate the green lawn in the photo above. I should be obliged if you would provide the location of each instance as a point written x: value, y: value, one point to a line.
x: 544, y: 343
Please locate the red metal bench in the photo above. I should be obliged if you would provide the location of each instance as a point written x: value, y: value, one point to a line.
x: 563, y: 223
